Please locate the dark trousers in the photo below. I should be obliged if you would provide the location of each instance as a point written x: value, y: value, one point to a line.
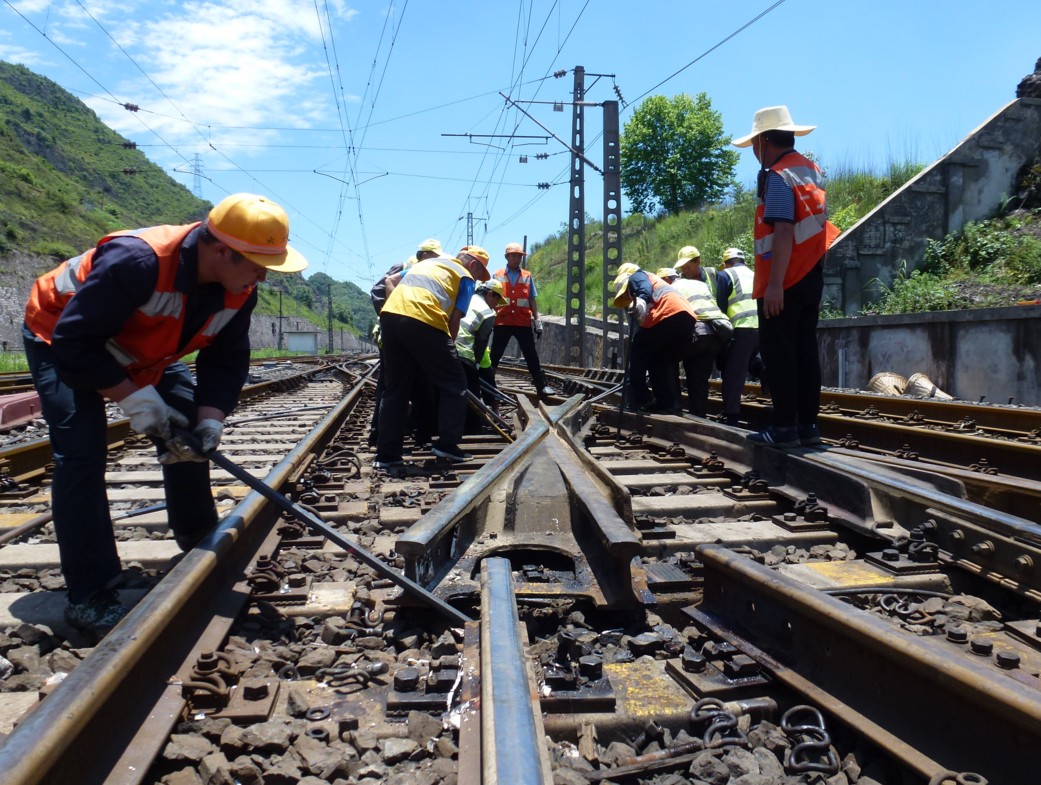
x: 526, y: 340
x: 653, y: 353
x: 78, y: 432
x: 474, y: 421
x: 735, y: 359
x: 698, y: 363
x: 412, y: 348
x: 788, y: 344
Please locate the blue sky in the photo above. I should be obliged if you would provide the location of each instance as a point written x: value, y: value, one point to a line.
x: 353, y: 115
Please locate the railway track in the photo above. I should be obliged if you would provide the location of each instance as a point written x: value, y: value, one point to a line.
x: 651, y: 599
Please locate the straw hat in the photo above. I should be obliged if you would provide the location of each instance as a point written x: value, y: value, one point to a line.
x: 772, y: 118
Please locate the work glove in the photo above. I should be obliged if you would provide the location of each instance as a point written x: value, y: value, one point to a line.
x: 537, y: 325
x: 149, y: 413
x: 640, y: 310
x: 208, y: 432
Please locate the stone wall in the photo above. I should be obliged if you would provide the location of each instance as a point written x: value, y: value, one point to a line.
x: 967, y: 184
x: 993, y: 353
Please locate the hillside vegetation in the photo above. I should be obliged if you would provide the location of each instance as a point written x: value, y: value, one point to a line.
x: 67, y: 179
x: 990, y: 263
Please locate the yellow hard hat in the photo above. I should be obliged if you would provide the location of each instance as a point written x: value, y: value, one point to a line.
x: 733, y: 253
x: 667, y: 272
x: 686, y: 254
x: 431, y: 245
x: 621, y: 293
x: 492, y: 286
x: 408, y: 263
x: 628, y: 269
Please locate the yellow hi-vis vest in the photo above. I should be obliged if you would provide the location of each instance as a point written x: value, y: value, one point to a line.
x: 427, y: 292
x: 700, y: 297
x: 470, y: 326
x: 741, y: 308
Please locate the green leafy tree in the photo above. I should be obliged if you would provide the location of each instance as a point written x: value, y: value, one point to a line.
x: 674, y: 155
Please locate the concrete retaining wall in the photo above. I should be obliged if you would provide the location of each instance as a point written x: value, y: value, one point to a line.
x: 967, y: 184
x: 990, y: 352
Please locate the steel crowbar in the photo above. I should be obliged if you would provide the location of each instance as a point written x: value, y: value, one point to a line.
x: 318, y: 526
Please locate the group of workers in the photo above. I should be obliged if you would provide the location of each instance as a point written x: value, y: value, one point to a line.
x: 113, y: 323
x: 444, y: 324
x: 699, y: 316
x: 688, y: 314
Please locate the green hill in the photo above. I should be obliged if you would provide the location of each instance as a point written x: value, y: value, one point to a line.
x: 67, y: 179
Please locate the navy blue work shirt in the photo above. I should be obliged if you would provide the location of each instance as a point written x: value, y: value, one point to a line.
x: 123, y: 277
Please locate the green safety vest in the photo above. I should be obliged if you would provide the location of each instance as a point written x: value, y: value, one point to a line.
x: 470, y: 325
x: 741, y: 308
x: 700, y: 296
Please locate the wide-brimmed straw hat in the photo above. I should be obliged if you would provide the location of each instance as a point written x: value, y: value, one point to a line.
x: 621, y: 284
x: 772, y: 118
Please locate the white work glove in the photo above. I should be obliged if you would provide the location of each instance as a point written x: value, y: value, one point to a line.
x: 640, y: 310
x: 537, y: 326
x: 208, y: 432
x: 149, y: 413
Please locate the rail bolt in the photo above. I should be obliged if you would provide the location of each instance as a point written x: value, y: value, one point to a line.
x: 591, y: 667
x: 1024, y: 563
x: 406, y: 680
x: 692, y: 661
x: 983, y: 548
x: 958, y: 635
x: 1007, y: 660
x: 982, y: 647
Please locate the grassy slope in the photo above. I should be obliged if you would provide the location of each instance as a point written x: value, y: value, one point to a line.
x: 995, y: 263
x: 64, y: 184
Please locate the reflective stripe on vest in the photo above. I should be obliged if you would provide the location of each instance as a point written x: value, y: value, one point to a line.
x: 470, y: 326
x: 665, y: 302
x: 427, y: 292
x: 148, y: 342
x: 811, y: 218
x: 517, y: 310
x: 699, y: 296
x: 741, y: 308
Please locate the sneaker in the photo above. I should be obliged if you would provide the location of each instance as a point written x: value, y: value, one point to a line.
x: 547, y: 390
x: 455, y: 455
x: 387, y: 465
x: 777, y: 437
x: 809, y: 436
x: 188, y: 540
x: 98, y: 614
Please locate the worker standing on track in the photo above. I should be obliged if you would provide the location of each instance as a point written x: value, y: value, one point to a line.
x: 112, y: 324
x: 422, y: 409
x: 419, y: 324
x: 519, y: 317
x: 792, y: 235
x: 734, y: 297
x: 475, y: 333
x: 665, y: 327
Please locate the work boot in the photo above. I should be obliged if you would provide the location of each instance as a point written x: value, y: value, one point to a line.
x: 98, y: 614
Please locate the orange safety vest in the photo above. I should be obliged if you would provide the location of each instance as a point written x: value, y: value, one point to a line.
x: 813, y: 231
x: 147, y: 342
x: 517, y: 310
x: 666, y: 301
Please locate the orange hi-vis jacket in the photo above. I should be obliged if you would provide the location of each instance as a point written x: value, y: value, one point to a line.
x: 517, y: 310
x: 148, y: 341
x: 666, y: 301
x: 813, y: 231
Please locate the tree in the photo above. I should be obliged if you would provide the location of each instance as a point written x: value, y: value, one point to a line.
x: 674, y: 155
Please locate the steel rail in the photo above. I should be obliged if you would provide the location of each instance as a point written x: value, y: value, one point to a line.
x: 962, y: 713
x: 512, y: 737
x: 120, y: 694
